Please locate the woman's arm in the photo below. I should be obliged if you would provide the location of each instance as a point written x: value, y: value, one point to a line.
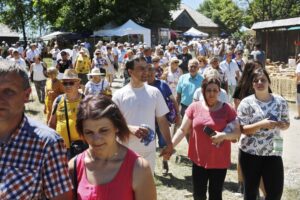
x: 182, y: 131
x: 232, y: 136
x: 143, y: 183
x: 251, y: 129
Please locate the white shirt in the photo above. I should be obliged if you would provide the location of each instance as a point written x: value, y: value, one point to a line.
x: 298, y: 68
x: 95, y: 88
x: 30, y: 54
x: 38, y: 74
x: 230, y: 70
x: 223, y: 97
x: 140, y: 106
x: 21, y: 62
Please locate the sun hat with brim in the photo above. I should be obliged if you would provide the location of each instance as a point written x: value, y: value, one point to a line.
x: 175, y: 59
x: 70, y: 74
x: 96, y: 72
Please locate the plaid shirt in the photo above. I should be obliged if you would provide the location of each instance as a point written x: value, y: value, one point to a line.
x: 33, y: 164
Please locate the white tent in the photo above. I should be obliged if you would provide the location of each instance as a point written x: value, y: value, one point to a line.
x: 192, y: 32
x: 54, y: 35
x: 129, y: 28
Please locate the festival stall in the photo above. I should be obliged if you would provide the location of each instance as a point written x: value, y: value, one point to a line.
x: 129, y: 28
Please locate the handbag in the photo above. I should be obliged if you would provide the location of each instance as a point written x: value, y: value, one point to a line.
x: 78, y: 146
x: 106, y: 92
x: 171, y: 116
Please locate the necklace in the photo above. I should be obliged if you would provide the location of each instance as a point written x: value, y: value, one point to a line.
x: 94, y: 158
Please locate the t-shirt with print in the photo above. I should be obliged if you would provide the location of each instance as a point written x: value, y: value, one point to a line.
x: 201, y: 150
x: 250, y: 111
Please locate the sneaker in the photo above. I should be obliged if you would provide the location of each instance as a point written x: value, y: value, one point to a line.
x: 165, y: 167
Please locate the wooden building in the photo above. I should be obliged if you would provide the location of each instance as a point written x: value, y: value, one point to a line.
x: 280, y: 39
x: 7, y: 35
x: 186, y: 17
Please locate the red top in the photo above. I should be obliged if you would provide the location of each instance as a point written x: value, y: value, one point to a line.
x: 119, y: 188
x: 201, y: 150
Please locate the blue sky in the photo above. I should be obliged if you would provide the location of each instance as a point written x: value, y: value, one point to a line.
x: 192, y: 3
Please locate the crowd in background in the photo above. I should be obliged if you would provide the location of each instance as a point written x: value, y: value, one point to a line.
x: 211, y: 92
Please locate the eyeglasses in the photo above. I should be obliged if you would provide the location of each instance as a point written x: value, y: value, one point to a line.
x: 68, y: 83
x: 261, y: 80
x: 193, y: 66
x: 209, y: 91
x: 176, y: 62
x: 156, y: 61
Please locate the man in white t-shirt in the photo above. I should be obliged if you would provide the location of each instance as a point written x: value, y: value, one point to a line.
x: 142, y: 104
x: 232, y: 73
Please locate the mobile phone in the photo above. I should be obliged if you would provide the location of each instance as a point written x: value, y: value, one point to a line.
x: 273, y: 118
x: 209, y: 131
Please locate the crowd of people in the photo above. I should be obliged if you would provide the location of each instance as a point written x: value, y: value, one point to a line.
x: 99, y: 145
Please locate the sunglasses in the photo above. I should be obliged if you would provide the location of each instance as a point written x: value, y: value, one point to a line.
x: 261, y: 80
x: 68, y: 83
x: 176, y: 62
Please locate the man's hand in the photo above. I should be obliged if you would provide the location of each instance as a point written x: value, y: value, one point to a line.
x: 139, y: 132
x: 167, y: 152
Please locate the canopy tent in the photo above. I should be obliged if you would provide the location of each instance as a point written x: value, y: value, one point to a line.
x: 129, y: 28
x: 57, y: 34
x: 192, y: 32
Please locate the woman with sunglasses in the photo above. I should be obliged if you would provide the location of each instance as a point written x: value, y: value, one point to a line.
x: 63, y: 115
x: 97, y: 84
x: 262, y: 116
x: 108, y: 170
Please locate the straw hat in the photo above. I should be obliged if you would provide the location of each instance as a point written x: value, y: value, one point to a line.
x: 175, y: 59
x: 70, y: 74
x: 96, y: 72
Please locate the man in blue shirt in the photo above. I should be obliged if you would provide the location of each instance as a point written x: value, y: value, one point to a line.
x: 187, y: 85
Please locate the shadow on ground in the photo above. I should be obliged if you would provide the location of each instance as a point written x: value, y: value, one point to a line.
x: 174, y: 182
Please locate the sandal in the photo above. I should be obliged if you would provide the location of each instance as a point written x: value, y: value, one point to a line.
x: 297, y: 117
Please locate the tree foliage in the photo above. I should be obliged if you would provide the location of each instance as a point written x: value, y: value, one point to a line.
x: 225, y: 13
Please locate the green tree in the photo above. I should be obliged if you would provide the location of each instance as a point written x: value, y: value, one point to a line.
x: 225, y: 13
x: 262, y: 10
x: 16, y: 14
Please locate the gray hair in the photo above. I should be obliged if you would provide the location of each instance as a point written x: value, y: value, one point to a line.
x: 7, y: 67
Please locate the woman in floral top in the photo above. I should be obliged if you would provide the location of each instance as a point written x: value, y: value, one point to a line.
x: 262, y: 116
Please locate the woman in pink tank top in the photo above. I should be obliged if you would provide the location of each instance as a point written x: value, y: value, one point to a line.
x: 108, y: 170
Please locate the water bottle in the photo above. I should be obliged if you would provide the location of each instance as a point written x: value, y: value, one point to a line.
x: 150, y: 136
x: 277, y: 144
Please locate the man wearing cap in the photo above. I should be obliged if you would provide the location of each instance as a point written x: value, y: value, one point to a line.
x: 67, y: 103
x: 141, y: 104
x: 16, y: 58
x: 33, y: 162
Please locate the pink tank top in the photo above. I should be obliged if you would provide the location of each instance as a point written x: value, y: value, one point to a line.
x: 119, y: 188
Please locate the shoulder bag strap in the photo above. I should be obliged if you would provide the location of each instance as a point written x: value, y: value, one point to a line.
x: 67, y: 119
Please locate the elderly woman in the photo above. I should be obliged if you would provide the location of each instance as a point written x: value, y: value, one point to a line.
x: 172, y: 74
x: 64, y: 109
x: 108, y: 170
x: 262, y: 115
x: 53, y: 88
x: 209, y: 147
x: 96, y: 84
x: 202, y: 64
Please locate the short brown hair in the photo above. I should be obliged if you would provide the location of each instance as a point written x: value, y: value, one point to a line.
x: 96, y: 107
x: 206, y: 82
